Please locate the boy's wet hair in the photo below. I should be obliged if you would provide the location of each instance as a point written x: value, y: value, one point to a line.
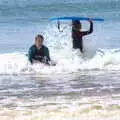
x: 74, y: 22
x: 39, y: 36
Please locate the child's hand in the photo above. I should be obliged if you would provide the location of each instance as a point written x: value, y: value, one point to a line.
x: 36, y: 61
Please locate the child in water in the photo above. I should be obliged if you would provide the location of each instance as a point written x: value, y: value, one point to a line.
x: 77, y: 34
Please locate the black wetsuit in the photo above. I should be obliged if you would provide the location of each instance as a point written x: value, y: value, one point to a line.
x: 41, y: 54
x: 77, y: 37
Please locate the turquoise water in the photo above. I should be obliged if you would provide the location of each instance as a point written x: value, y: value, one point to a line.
x: 78, y: 87
x: 21, y: 20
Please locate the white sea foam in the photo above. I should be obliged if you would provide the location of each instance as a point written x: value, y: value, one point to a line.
x: 60, y: 109
x: 15, y: 63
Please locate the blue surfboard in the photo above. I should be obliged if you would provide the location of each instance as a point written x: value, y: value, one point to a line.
x: 76, y: 18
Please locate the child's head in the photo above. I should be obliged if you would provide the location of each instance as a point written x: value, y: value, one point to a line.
x: 76, y: 24
x: 39, y: 40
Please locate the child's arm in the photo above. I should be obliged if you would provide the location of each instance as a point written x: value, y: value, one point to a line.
x: 90, y: 30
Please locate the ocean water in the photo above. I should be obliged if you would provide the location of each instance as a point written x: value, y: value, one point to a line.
x: 79, y: 87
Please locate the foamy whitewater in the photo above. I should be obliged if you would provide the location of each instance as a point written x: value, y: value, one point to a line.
x: 80, y: 86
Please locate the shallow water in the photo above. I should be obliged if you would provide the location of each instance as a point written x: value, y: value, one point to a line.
x: 72, y: 96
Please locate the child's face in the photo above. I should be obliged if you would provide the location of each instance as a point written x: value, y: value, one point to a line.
x: 39, y: 42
